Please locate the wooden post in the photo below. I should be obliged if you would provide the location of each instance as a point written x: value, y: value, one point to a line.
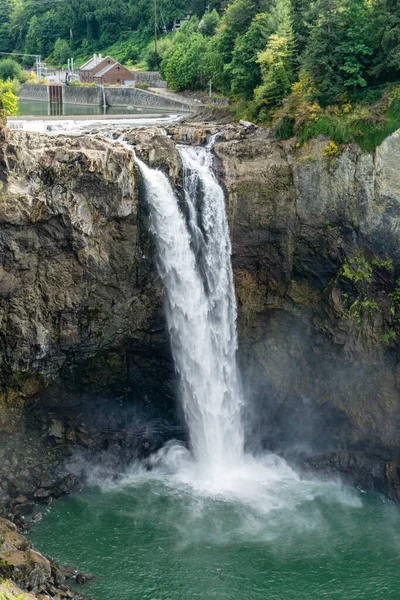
x: 155, y: 32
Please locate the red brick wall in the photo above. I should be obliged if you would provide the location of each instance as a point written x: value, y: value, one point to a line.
x: 87, y: 76
x: 117, y: 75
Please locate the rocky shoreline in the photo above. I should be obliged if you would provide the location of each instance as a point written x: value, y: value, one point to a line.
x: 27, y: 574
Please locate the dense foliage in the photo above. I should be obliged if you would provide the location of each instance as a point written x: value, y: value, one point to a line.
x: 286, y: 61
x: 328, y: 66
x: 57, y: 29
x: 8, y: 100
x: 344, y: 46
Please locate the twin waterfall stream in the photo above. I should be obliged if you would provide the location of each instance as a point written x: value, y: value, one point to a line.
x: 194, y: 261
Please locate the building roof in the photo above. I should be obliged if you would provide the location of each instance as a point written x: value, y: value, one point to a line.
x: 88, y: 66
x: 107, y: 68
x: 94, y: 61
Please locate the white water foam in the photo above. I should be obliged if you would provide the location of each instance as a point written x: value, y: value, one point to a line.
x: 78, y: 126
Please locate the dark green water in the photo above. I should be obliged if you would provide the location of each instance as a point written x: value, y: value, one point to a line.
x: 43, y: 109
x: 156, y: 538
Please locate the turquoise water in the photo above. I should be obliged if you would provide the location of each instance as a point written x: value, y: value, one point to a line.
x: 43, y: 109
x: 159, y: 537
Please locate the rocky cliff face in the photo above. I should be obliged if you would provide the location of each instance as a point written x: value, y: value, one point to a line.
x: 316, y: 251
x: 316, y: 258
x: 78, y: 298
x: 81, y: 318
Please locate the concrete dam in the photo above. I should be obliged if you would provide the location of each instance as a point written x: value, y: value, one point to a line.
x: 96, y: 96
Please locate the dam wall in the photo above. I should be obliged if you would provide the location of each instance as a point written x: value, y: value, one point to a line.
x: 121, y: 96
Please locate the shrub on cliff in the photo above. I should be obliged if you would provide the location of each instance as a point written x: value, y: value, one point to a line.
x: 363, y: 122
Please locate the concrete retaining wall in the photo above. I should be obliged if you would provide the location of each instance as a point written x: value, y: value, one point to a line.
x: 82, y: 95
x: 150, y: 77
x: 71, y: 95
x: 114, y: 97
x: 34, y: 92
x: 135, y: 97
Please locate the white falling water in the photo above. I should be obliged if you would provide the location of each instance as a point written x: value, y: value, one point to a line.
x: 200, y: 306
x: 194, y: 263
x: 104, y: 105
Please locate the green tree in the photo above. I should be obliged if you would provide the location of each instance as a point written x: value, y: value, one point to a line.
x: 355, y: 44
x: 6, y: 42
x: 244, y: 70
x: 386, y: 39
x: 339, y: 51
x: 183, y: 66
x: 277, y: 61
x: 212, y: 66
x: 10, y: 69
x: 48, y: 32
x: 199, y: 7
x: 209, y: 23
x: 8, y: 100
x: 239, y: 15
x: 33, y: 44
x: 61, y: 52
x: 235, y: 21
x: 276, y: 64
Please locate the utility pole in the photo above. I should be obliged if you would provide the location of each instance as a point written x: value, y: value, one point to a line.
x: 155, y: 32
x: 38, y: 66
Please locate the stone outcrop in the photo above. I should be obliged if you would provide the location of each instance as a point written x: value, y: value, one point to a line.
x: 79, y: 300
x: 25, y: 574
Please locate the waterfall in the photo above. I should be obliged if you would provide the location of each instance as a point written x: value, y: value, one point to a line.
x: 194, y: 264
x: 104, y: 97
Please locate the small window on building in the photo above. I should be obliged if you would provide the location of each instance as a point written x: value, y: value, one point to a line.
x: 108, y: 62
x: 118, y: 68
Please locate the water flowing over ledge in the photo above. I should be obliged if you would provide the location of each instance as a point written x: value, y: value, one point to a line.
x: 80, y: 125
x: 194, y: 264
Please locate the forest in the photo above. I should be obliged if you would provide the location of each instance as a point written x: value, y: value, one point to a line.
x: 308, y: 67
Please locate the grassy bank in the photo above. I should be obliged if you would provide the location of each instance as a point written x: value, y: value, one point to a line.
x: 365, y: 123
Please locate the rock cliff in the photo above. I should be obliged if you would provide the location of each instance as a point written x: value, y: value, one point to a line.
x: 81, y: 319
x: 316, y: 258
x: 315, y: 233
x: 79, y: 300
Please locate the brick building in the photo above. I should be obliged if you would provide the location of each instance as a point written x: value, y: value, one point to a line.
x: 114, y: 74
x: 94, y: 65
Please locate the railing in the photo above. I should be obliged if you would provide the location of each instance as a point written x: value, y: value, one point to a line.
x: 56, y: 99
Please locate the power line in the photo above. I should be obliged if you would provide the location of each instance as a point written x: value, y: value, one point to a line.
x: 19, y: 54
